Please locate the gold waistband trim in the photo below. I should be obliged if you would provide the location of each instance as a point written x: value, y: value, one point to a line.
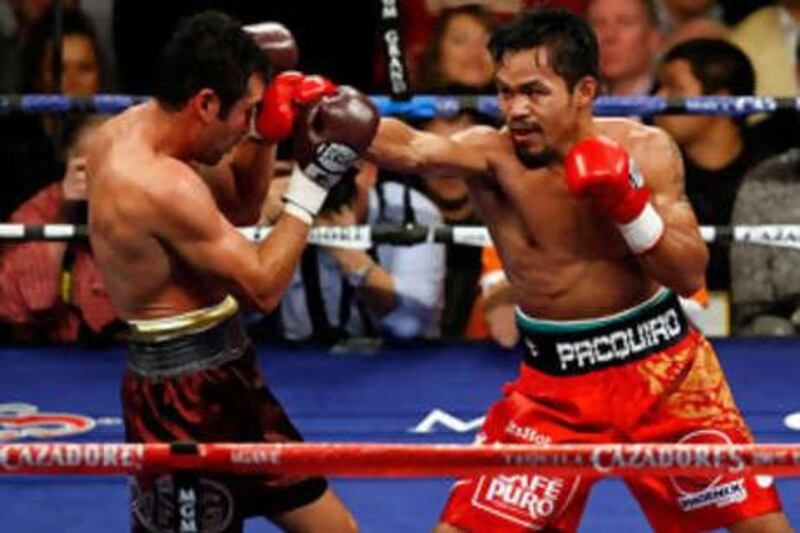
x: 186, y: 323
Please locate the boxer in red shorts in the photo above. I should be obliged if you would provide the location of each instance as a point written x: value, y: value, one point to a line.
x: 597, y: 239
x: 168, y: 180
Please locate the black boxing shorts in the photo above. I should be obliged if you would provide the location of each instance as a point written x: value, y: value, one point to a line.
x: 195, y: 378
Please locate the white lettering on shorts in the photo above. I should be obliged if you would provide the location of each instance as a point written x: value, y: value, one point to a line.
x: 207, y: 507
x: 620, y: 344
x: 529, y: 500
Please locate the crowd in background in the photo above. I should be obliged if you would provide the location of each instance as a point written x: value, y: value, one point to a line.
x: 738, y: 171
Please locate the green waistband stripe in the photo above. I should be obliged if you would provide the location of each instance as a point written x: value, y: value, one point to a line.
x: 529, y: 324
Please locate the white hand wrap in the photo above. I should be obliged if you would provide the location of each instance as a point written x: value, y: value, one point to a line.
x: 303, y: 196
x: 643, y: 232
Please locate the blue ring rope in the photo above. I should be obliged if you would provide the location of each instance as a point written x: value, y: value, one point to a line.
x: 423, y: 107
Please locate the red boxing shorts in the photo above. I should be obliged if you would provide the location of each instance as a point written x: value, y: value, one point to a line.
x: 643, y: 375
x: 205, y: 386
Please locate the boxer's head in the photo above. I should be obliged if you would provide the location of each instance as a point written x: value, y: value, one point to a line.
x: 547, y: 72
x: 214, y: 72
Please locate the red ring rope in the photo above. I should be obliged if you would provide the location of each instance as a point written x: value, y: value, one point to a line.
x: 402, y: 460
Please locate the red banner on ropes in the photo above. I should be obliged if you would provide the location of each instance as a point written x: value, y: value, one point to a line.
x: 401, y: 460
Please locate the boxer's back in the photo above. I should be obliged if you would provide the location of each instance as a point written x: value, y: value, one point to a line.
x: 125, y: 173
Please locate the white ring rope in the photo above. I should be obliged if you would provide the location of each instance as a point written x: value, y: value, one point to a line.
x: 364, y: 237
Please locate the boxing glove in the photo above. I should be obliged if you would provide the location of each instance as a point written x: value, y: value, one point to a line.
x: 274, y: 118
x: 329, y: 136
x: 277, y: 43
x: 600, y: 168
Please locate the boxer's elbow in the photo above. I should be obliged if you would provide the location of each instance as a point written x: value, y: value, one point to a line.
x: 264, y: 297
x: 682, y: 262
x: 685, y: 274
x: 268, y: 300
x: 689, y: 284
x: 696, y: 275
x: 692, y: 277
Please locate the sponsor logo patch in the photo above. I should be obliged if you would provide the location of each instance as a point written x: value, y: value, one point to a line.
x: 699, y: 492
x: 206, y: 506
x: 24, y: 421
x: 528, y: 500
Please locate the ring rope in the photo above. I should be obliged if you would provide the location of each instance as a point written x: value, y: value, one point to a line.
x: 364, y: 237
x: 402, y: 460
x: 422, y: 107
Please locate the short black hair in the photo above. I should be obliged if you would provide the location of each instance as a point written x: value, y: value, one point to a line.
x: 208, y: 50
x: 717, y: 64
x: 569, y: 39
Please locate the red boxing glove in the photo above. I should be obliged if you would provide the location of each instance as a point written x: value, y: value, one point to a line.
x: 602, y: 169
x: 275, y: 117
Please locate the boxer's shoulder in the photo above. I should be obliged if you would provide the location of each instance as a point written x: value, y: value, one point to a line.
x: 641, y: 140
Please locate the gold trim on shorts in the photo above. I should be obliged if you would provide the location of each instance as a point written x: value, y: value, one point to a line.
x: 161, y: 329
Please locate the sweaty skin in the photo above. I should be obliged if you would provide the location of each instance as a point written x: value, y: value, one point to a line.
x: 165, y: 191
x: 563, y: 258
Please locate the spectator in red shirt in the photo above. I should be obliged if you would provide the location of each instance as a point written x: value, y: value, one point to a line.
x: 53, y: 291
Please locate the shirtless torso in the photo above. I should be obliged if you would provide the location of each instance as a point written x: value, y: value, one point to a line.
x: 131, y: 181
x: 564, y: 259
x: 165, y: 197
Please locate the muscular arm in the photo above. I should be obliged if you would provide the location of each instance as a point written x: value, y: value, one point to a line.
x: 401, y: 148
x: 679, y: 259
x: 186, y: 218
x: 240, y: 181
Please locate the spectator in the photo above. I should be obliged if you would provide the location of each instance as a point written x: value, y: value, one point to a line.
x: 629, y: 39
x: 769, y: 37
x: 675, y: 13
x: 82, y: 64
x: 391, y: 291
x: 28, y: 143
x: 457, y: 52
x: 766, y: 287
x: 17, y: 17
x: 417, y: 17
x: 683, y: 20
x: 715, y: 151
x: 53, y: 291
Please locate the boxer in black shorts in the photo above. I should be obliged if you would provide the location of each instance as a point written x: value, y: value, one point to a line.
x: 194, y: 378
x: 168, y: 180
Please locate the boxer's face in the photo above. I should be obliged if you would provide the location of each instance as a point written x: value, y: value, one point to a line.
x: 222, y: 134
x: 539, y: 109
